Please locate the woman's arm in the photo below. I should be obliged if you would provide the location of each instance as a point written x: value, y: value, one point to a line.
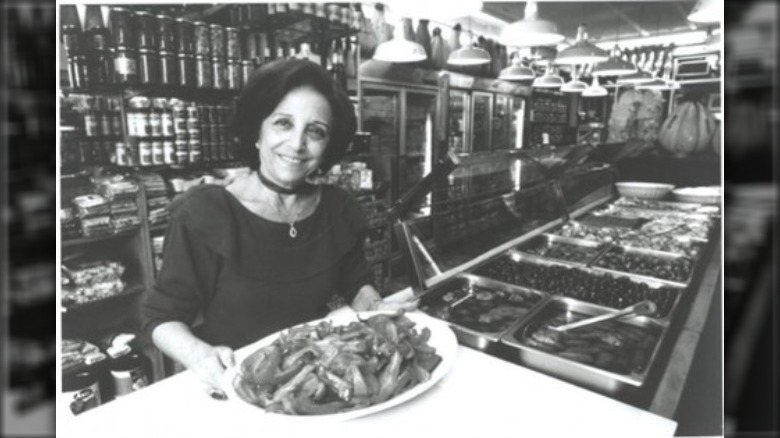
x: 208, y: 362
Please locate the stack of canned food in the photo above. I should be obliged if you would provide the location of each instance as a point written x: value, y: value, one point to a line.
x: 171, y: 131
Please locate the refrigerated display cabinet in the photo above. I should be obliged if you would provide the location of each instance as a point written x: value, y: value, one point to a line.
x: 497, y: 261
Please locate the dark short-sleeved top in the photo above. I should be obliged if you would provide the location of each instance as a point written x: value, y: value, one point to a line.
x: 246, y: 275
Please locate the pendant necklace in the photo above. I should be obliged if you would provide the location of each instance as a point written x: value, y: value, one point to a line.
x: 291, y: 220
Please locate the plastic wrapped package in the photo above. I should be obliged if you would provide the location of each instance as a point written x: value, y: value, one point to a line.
x: 96, y: 226
x: 158, y: 216
x: 116, y: 187
x: 77, y: 353
x: 125, y: 222
x: 91, y: 205
x: 154, y: 184
x: 123, y: 207
x: 90, y: 273
x: 157, y: 202
x: 75, y: 294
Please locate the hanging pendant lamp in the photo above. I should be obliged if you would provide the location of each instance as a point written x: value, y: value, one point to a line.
x: 639, y: 77
x: 575, y: 85
x: 549, y: 79
x: 595, y: 89
x: 517, y: 71
x: 469, y: 55
x: 582, y: 51
x: 434, y: 10
x: 614, y: 66
x: 707, y: 11
x: 399, y: 49
x: 531, y: 30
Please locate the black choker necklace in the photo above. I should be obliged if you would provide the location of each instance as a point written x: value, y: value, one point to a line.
x: 304, y: 188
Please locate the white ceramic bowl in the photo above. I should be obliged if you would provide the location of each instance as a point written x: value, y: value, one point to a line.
x: 698, y: 195
x: 644, y: 190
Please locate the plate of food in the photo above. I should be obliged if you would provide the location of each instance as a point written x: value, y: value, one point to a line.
x: 343, y: 366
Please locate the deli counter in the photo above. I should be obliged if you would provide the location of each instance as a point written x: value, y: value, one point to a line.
x: 514, y: 244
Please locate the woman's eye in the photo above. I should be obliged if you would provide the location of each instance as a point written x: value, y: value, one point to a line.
x: 317, y: 133
x: 284, y: 123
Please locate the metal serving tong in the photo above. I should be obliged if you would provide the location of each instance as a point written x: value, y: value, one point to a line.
x: 646, y: 307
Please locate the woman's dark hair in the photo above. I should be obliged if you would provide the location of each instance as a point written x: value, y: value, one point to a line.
x: 269, y: 84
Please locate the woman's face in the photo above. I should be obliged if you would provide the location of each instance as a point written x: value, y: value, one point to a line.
x: 294, y: 136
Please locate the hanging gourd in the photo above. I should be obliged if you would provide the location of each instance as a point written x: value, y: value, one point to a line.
x: 439, y: 50
x: 688, y: 130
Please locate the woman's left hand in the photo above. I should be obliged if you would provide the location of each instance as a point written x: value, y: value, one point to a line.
x: 368, y: 299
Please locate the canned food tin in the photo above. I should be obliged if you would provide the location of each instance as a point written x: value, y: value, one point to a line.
x: 168, y: 70
x: 148, y: 66
x: 132, y: 153
x: 158, y: 152
x: 233, y: 43
x: 122, y: 26
x: 155, y: 123
x: 166, y: 37
x: 182, y: 151
x: 203, y: 72
x: 107, y: 123
x: 186, y: 70
x: 219, y: 73
x: 195, y: 150
x: 319, y: 10
x: 234, y: 75
x: 129, y: 374
x: 346, y: 16
x: 169, y: 151
x: 214, y: 134
x: 334, y: 12
x: 125, y: 66
x: 193, y: 112
x: 185, y: 35
x: 217, y: 35
x: 166, y: 119
x: 121, y: 154
x: 205, y: 147
x: 146, y: 24
x: 247, y: 67
x: 202, y: 43
x: 145, y: 153
x: 194, y: 134
x: 91, y: 124
x: 180, y: 120
x: 71, y: 39
x: 81, y: 391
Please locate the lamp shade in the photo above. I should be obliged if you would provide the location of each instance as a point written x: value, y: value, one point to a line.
x: 399, y: 50
x: 595, y: 89
x: 639, y: 77
x: 574, y: 86
x: 548, y: 80
x: 517, y: 72
x: 707, y: 11
x: 655, y: 84
x: 582, y: 51
x: 469, y: 55
x: 531, y: 31
x: 614, y: 66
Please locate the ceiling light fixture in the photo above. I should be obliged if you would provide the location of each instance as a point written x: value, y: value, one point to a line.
x: 707, y: 11
x: 582, y: 51
x: 549, y: 79
x: 575, y: 85
x: 433, y: 10
x: 639, y: 77
x: 469, y: 55
x: 614, y: 66
x: 595, y: 89
x: 399, y: 49
x: 517, y: 71
x: 531, y: 30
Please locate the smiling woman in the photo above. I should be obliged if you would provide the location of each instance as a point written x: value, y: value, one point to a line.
x: 271, y: 249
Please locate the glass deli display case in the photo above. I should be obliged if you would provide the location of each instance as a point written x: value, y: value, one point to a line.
x: 481, y: 121
x: 519, y: 245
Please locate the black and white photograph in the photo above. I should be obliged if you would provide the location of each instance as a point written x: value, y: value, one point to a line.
x: 408, y: 218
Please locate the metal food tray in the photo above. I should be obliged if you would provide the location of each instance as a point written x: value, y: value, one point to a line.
x: 468, y: 336
x: 653, y: 283
x: 650, y: 253
x: 586, y: 375
x: 549, y: 240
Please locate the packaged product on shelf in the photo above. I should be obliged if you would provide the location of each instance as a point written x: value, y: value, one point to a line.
x: 158, y: 216
x: 158, y: 202
x: 125, y: 222
x: 91, y: 205
x: 96, y: 226
x: 87, y: 273
x: 69, y: 223
x: 116, y: 187
x: 124, y: 207
x: 91, y: 282
x: 77, y: 353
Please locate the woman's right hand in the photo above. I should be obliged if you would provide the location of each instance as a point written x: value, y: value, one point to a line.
x: 210, y: 364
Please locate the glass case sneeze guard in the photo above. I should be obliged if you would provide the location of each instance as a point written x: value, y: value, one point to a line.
x: 491, y: 203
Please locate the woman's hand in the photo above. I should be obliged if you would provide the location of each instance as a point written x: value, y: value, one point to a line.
x: 210, y: 364
x: 368, y: 299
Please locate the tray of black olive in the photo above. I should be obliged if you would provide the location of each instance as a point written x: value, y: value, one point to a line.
x: 608, y: 356
x: 608, y: 289
x: 641, y: 263
x: 562, y: 248
x: 479, y: 310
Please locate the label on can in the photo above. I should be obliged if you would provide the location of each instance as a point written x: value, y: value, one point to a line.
x: 116, y: 122
x: 91, y: 125
x: 145, y: 153
x: 126, y: 382
x: 120, y: 152
x: 195, y: 156
x: 155, y: 124
x: 182, y: 157
x: 125, y: 65
x: 106, y: 124
x: 83, y: 399
x: 166, y: 120
x: 158, y: 152
x: 233, y: 43
x: 219, y: 74
x: 202, y: 45
x: 141, y: 124
x: 169, y: 152
x: 132, y: 153
x: 193, y: 124
x: 203, y: 72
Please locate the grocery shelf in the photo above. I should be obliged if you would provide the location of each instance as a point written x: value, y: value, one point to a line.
x: 95, y: 239
x: 128, y: 291
x: 199, y: 94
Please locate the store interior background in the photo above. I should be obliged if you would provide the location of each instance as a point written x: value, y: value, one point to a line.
x: 29, y: 217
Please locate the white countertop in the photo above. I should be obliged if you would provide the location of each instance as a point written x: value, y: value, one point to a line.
x: 480, y: 394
